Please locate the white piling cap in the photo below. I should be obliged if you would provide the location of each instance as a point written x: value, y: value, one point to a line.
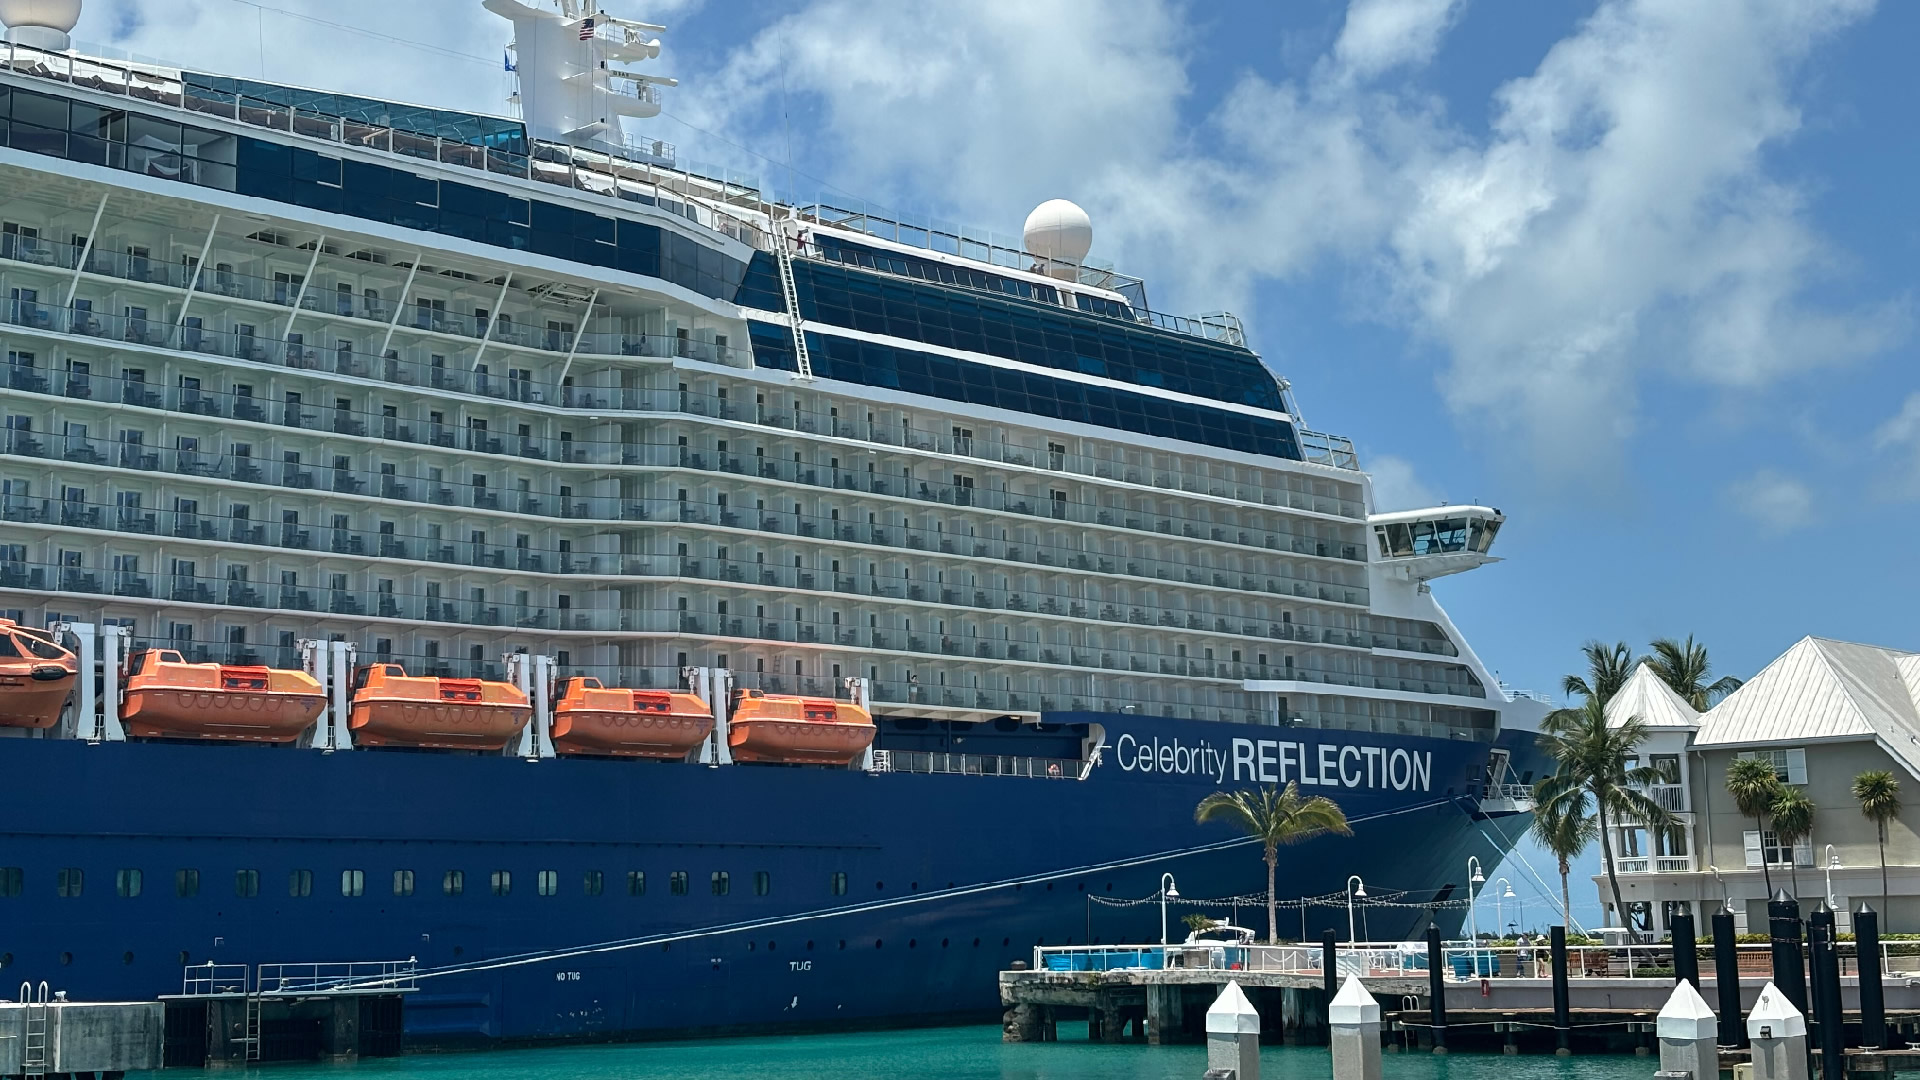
x: 1774, y: 1012
x: 1687, y: 1016
x: 1232, y: 1013
x: 1353, y: 1006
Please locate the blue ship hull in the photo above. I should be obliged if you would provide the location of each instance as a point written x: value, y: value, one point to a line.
x: 947, y: 878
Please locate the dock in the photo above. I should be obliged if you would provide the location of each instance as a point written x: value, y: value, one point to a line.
x: 236, y: 1015
x: 43, y: 1034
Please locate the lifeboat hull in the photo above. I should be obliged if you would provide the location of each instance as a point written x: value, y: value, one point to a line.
x: 446, y: 725
x: 798, y: 742
x: 246, y: 716
x: 29, y: 702
x: 623, y: 733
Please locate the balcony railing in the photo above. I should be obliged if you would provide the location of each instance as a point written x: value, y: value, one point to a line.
x: 1654, y: 864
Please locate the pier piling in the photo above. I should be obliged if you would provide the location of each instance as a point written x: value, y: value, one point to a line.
x: 1777, y: 1030
x: 1689, y: 1034
x: 1789, y: 969
x: 1686, y: 951
x: 1726, y: 979
x: 1562, y: 1004
x: 1437, y: 986
x: 1329, y: 963
x: 1233, y: 1036
x: 1873, y: 999
x: 1830, y: 1022
x: 1353, y: 1021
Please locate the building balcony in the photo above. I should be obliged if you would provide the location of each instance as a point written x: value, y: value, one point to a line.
x: 1654, y: 864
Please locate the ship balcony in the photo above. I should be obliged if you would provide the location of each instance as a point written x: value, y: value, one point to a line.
x: 1420, y: 545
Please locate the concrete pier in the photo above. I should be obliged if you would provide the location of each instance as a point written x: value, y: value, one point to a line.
x: 60, y: 1037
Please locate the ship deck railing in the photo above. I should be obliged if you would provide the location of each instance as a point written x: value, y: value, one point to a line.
x: 940, y: 761
x: 1461, y: 961
x: 322, y: 978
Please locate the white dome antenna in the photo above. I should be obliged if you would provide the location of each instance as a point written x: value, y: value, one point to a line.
x: 40, y: 24
x: 1061, y: 234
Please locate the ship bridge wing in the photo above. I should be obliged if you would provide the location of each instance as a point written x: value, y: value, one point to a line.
x: 1420, y: 545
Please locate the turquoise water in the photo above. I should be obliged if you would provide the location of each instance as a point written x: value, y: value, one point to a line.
x: 969, y: 1053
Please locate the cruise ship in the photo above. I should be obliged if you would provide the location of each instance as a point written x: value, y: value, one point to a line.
x: 642, y: 606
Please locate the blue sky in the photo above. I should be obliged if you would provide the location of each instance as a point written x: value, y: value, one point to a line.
x: 1639, y: 272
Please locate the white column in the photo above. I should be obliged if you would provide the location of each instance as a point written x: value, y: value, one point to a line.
x: 543, y: 706
x: 340, y: 655
x: 520, y: 674
x: 860, y: 691
x: 1689, y: 1034
x: 314, y: 660
x: 86, y: 708
x: 1354, y: 1017
x: 1778, y: 1033
x: 1233, y: 1035
x: 113, y: 654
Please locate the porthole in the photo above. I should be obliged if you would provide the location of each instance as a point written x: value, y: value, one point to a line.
x: 126, y: 958
x: 914, y: 886
x: 1004, y: 942
x: 1049, y: 886
x: 6, y: 960
x: 943, y: 943
x: 749, y: 946
x: 976, y: 943
x: 913, y: 943
x: 879, y: 886
x: 770, y: 946
x: 843, y: 944
x: 876, y: 943
x: 809, y: 946
x: 66, y: 959
x: 184, y: 958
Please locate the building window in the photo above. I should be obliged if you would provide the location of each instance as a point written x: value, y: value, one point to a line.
x: 69, y: 881
x: 720, y: 883
x: 502, y: 882
x: 547, y: 882
x: 677, y: 883
x: 1789, y: 765
x: 353, y: 882
x: 636, y: 883
x: 12, y: 879
x: 594, y: 883
x: 246, y: 883
x: 454, y: 883
x: 300, y: 883
x: 839, y: 883
x: 126, y: 883
x: 1776, y: 853
x: 186, y: 883
x: 403, y: 883
x: 762, y: 883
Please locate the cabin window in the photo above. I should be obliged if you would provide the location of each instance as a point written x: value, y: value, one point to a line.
x: 721, y: 883
x: 300, y: 883
x: 186, y: 883
x: 762, y: 883
x: 454, y: 883
x: 69, y: 881
x: 353, y: 882
x: 126, y: 883
x: 547, y: 882
x: 45, y: 650
x: 839, y: 883
x: 677, y: 883
x: 594, y: 883
x: 8, y: 649
x: 246, y: 883
x: 12, y: 879
x: 403, y: 883
x: 636, y: 883
x: 502, y: 882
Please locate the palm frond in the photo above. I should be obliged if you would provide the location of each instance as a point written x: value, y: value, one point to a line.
x: 1878, y: 794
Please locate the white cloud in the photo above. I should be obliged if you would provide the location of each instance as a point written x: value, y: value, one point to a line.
x: 1780, y: 503
x: 1396, y: 487
x: 1899, y: 437
x: 1382, y: 34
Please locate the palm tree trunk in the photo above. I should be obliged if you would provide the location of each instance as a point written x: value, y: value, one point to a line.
x: 1566, y: 893
x: 1273, y: 904
x: 1606, y: 854
x: 1883, y: 878
x: 1765, y: 871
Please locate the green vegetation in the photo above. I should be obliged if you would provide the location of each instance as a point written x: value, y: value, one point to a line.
x: 1878, y: 794
x: 1277, y: 819
x: 1684, y: 667
x: 1754, y: 787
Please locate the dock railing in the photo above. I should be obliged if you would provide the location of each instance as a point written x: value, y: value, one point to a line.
x: 358, y: 977
x: 200, y: 980
x: 1461, y: 960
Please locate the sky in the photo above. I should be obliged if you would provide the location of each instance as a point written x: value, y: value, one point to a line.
x: 1633, y: 271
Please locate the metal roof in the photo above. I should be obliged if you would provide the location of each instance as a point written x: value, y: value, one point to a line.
x: 1823, y: 689
x: 1653, y: 701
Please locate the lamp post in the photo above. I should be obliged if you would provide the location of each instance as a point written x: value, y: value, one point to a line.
x: 1499, y: 905
x: 1167, y: 892
x: 1833, y: 863
x: 1474, y: 877
x: 1356, y: 890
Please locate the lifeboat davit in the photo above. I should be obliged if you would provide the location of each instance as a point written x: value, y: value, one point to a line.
x: 169, y: 698
x: 797, y: 730
x: 592, y: 719
x: 392, y: 708
x: 36, y: 677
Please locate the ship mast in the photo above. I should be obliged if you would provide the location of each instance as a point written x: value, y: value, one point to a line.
x: 575, y: 70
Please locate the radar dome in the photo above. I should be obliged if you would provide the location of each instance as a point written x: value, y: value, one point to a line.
x: 1059, y: 232
x: 41, y: 24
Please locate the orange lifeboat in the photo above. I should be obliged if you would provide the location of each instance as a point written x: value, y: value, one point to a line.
x: 36, y: 677
x: 170, y: 699
x: 592, y: 719
x: 797, y: 730
x: 391, y: 708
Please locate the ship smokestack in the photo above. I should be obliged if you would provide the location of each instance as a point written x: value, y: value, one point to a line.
x: 40, y: 24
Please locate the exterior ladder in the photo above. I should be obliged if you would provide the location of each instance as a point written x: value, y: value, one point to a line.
x: 252, y: 1038
x: 783, y: 255
x: 33, y: 1057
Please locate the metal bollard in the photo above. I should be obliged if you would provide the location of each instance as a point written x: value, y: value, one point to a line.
x: 1824, y: 960
x: 1233, y: 1035
x: 1686, y: 952
x: 1726, y: 978
x: 1437, y: 988
x: 1789, y: 967
x: 1689, y: 1034
x: 1562, y: 997
x: 1873, y: 1000
x: 1354, y: 1019
x: 1778, y: 1033
x: 1330, y: 963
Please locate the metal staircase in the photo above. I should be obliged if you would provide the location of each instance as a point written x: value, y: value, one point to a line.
x: 783, y: 256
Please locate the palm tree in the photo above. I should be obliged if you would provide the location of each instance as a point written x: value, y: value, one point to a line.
x: 1754, y: 787
x: 1591, y: 756
x: 1608, y: 668
x: 1275, y: 818
x: 1565, y: 827
x: 1792, y: 823
x: 1684, y: 667
x: 1879, y: 797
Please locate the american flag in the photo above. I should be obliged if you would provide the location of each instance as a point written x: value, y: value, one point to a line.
x: 586, y: 30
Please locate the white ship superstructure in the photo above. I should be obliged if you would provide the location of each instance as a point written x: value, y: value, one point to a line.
x: 285, y: 364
